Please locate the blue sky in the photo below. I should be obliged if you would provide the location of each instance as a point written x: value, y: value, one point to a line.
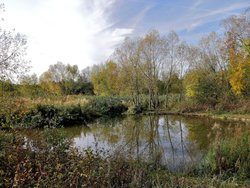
x: 189, y: 18
x: 86, y: 32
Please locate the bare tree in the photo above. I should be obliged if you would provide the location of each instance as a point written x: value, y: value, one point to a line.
x: 128, y: 57
x: 12, y: 54
x: 152, y: 56
x: 170, y: 63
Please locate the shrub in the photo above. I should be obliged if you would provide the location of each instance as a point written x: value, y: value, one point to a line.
x: 52, y: 116
x: 107, y: 105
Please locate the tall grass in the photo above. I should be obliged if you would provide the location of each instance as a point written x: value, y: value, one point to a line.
x: 229, y: 159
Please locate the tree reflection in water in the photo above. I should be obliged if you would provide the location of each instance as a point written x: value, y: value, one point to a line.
x: 173, y: 141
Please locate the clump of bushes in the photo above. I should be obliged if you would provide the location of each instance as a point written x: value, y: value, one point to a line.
x: 51, y: 116
x: 107, y: 105
x: 54, y: 116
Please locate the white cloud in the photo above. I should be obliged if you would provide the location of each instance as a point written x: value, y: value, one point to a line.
x: 224, y: 11
x: 77, y: 32
x: 196, y: 16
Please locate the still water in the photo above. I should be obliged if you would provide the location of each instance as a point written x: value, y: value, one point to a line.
x: 176, y: 142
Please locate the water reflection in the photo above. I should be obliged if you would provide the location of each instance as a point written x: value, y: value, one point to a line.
x: 174, y: 141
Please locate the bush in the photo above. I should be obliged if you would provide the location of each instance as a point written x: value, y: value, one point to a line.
x: 107, y: 105
x: 52, y: 116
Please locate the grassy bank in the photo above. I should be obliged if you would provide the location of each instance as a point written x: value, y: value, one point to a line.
x: 49, y: 161
x: 210, y: 114
x: 58, y: 111
x: 236, y: 111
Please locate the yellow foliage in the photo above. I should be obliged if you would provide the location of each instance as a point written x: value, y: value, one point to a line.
x: 239, y: 69
x: 106, y: 80
x: 51, y: 87
x: 191, y: 82
x: 237, y: 79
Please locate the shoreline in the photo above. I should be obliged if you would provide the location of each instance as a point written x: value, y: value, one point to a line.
x: 223, y: 116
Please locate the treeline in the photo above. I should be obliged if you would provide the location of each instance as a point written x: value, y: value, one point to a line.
x: 59, y: 79
x: 215, y: 72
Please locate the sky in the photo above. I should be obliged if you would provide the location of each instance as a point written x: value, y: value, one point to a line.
x: 86, y: 32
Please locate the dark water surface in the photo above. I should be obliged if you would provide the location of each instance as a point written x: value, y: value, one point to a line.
x: 174, y: 141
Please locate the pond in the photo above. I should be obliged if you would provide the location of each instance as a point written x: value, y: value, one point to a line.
x: 176, y: 142
x: 173, y: 141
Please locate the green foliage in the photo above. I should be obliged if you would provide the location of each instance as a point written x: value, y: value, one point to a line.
x: 7, y: 88
x: 107, y: 105
x: 28, y: 165
x: 58, y: 115
x: 10, y: 106
x: 51, y: 116
x: 173, y: 84
x: 209, y: 90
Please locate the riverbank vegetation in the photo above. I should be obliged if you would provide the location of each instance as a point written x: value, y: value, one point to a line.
x: 49, y: 160
x: 61, y: 111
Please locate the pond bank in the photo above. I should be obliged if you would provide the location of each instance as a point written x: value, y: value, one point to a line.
x: 55, y: 115
x: 220, y: 116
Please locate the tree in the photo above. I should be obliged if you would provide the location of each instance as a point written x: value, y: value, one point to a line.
x: 152, y: 56
x: 29, y: 86
x: 65, y: 79
x: 86, y: 74
x: 171, y: 62
x: 239, y: 71
x: 48, y: 84
x: 12, y: 54
x: 58, y: 72
x: 128, y: 58
x: 238, y: 45
x: 29, y: 79
x: 183, y: 53
x: 12, y: 64
x: 106, y: 79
